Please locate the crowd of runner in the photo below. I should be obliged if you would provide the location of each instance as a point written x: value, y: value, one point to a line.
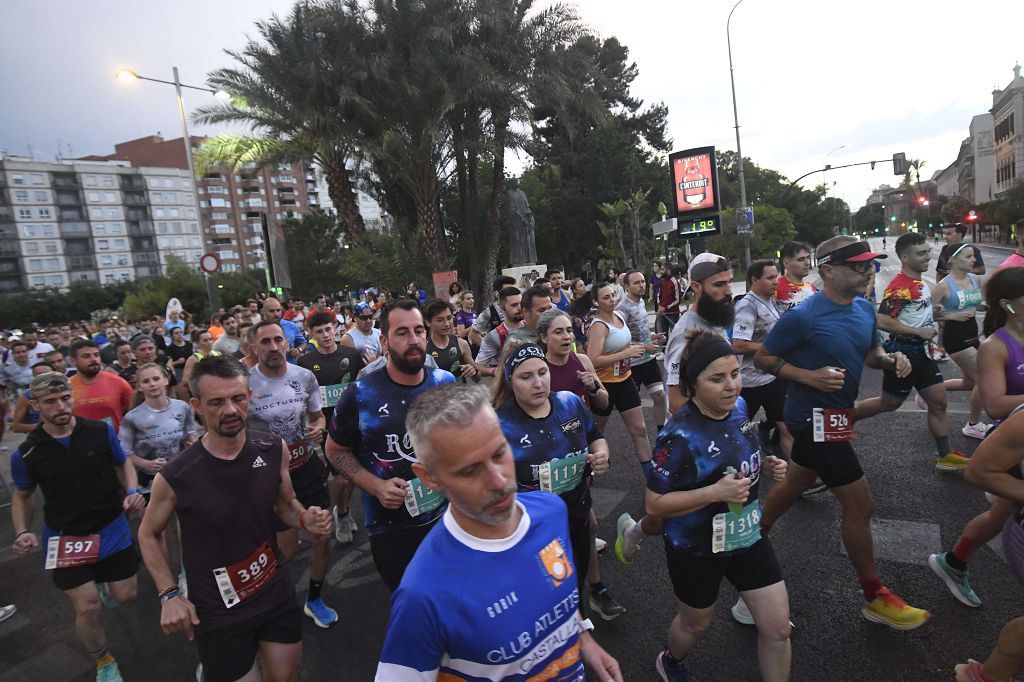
x: 474, y: 434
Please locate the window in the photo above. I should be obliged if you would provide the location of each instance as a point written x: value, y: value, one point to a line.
x: 21, y: 195
x: 29, y: 230
x: 25, y: 213
x: 119, y: 244
x: 215, y: 189
x: 176, y: 227
x: 170, y: 198
x: 31, y: 248
x: 113, y: 213
x: 109, y: 197
x: 49, y: 247
x: 108, y: 277
x: 38, y: 281
x: 102, y: 244
x: 44, y: 213
x: 158, y: 213
x: 95, y: 213
x: 90, y: 180
x: 17, y: 179
x: 185, y: 185
x: 219, y: 203
x: 123, y: 260
x: 37, y: 178
x: 99, y: 228
x: 92, y: 196
x: 106, y: 260
x: 108, y: 180
x: 48, y: 230
x: 155, y: 198
x: 41, y: 195
x: 191, y: 213
x: 56, y: 280
x: 174, y: 212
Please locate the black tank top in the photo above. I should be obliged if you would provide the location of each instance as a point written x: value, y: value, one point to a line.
x: 226, y: 510
x: 445, y: 357
x: 563, y: 378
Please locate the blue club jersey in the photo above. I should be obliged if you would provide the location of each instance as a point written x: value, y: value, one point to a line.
x: 370, y: 420
x: 693, y: 451
x: 567, y: 431
x: 475, y: 610
x: 819, y: 333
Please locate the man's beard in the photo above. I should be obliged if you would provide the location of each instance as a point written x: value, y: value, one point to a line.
x: 406, y: 365
x: 720, y: 314
x: 89, y: 371
x: 490, y: 518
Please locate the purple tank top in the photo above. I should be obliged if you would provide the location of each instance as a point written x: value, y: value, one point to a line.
x: 563, y: 378
x: 1014, y: 369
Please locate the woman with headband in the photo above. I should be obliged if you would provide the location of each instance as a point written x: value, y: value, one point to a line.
x: 956, y: 299
x: 554, y: 440
x: 704, y: 484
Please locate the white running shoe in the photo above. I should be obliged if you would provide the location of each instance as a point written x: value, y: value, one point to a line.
x: 625, y: 549
x: 975, y: 430
x: 600, y: 545
x: 344, y: 527
x: 741, y: 613
x: 7, y: 611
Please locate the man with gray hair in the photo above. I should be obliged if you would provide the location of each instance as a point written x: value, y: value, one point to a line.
x: 522, y: 588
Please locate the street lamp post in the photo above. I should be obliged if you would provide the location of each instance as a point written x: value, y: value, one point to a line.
x: 827, y: 167
x: 736, y: 120
x: 130, y: 75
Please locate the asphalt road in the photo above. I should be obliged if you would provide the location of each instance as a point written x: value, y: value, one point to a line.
x: 918, y: 510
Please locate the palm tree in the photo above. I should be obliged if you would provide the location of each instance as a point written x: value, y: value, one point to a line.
x: 294, y: 89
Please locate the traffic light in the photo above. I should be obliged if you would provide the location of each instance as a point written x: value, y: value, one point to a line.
x: 899, y: 164
x: 972, y: 217
x: 922, y: 200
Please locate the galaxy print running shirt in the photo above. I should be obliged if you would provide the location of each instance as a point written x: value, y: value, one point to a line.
x: 369, y: 419
x: 551, y: 452
x: 694, y: 451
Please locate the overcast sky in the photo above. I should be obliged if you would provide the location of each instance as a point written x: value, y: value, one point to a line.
x: 878, y: 76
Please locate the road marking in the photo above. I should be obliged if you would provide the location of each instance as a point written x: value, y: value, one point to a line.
x: 906, y: 542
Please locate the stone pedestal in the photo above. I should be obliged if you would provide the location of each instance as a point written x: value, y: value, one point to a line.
x: 518, y: 271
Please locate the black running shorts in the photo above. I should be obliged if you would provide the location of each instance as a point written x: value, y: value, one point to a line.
x: 835, y: 463
x: 228, y: 653
x: 116, y: 567
x: 771, y: 396
x: 697, y: 579
x: 622, y: 396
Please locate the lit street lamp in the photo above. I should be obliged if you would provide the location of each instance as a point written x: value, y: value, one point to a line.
x: 129, y: 75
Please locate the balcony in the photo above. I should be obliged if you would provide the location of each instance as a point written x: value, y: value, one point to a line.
x: 143, y: 246
x: 137, y: 214
x: 66, y: 182
x: 132, y: 182
x: 9, y: 249
x: 71, y: 216
x: 84, y: 262
x: 69, y: 199
x: 147, y: 258
x: 140, y: 228
x: 135, y: 200
x: 74, y: 229
x: 147, y: 272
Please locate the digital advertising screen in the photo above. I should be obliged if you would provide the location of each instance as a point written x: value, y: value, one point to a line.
x: 694, y: 181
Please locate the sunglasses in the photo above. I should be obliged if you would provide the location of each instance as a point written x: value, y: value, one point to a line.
x: 364, y: 317
x: 859, y: 268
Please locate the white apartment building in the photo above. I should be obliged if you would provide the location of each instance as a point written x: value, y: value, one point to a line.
x: 84, y: 221
x: 1007, y: 114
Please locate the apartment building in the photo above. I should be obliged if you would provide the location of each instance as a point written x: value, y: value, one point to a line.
x: 232, y: 203
x: 90, y: 221
x: 1008, y: 126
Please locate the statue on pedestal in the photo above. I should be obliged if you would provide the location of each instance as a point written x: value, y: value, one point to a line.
x: 522, y: 247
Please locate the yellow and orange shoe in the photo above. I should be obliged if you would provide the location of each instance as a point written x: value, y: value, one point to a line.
x: 888, y: 609
x: 952, y: 461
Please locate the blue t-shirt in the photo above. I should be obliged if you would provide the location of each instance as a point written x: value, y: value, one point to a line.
x: 565, y: 434
x: 693, y: 451
x: 819, y: 333
x: 475, y: 610
x: 293, y: 333
x: 369, y: 419
x: 116, y: 535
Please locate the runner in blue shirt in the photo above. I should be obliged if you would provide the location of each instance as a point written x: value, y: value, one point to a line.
x: 704, y: 484
x: 368, y: 442
x: 491, y: 593
x: 821, y: 347
x: 554, y: 441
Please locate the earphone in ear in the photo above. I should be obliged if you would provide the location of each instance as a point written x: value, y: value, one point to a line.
x: 1010, y: 308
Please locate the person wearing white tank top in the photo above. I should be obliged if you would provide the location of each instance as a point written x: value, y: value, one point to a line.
x: 363, y: 337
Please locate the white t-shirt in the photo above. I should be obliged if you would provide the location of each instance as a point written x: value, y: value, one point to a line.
x: 755, y: 317
x: 677, y: 342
